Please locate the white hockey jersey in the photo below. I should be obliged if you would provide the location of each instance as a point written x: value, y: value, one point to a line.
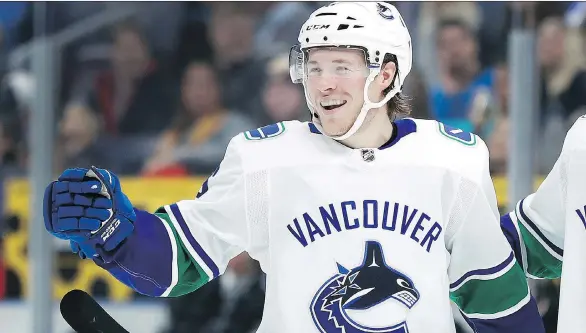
x: 552, y: 225
x: 354, y: 240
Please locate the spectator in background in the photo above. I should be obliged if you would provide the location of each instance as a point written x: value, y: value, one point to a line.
x: 231, y: 34
x: 429, y: 15
x: 133, y: 97
x: 498, y: 140
x: 281, y: 99
x: 464, y: 97
x: 232, y: 303
x: 563, y: 86
x: 278, y: 28
x: 12, y: 14
x: 498, y: 18
x: 417, y: 94
x: 16, y: 94
x: 77, y: 140
x: 203, y: 127
x: 194, y: 43
x: 11, y: 154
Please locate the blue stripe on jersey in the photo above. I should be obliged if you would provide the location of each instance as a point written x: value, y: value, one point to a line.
x: 198, y: 249
x: 313, y: 129
x: 513, y: 237
x: 534, y: 227
x: 484, y: 271
x: 524, y: 320
x: 404, y: 127
x: 144, y: 262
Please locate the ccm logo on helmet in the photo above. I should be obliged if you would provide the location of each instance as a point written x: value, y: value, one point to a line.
x: 317, y: 27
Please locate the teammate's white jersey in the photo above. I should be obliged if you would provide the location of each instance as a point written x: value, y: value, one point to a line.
x: 552, y: 225
x: 356, y: 240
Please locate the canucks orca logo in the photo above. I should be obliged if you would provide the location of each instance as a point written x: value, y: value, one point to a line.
x: 384, y: 11
x: 364, y: 288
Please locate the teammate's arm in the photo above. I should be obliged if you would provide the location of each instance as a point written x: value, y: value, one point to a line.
x: 170, y: 252
x: 486, y: 282
x: 536, y: 228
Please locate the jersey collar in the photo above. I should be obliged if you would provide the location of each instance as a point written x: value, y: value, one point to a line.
x: 402, y: 128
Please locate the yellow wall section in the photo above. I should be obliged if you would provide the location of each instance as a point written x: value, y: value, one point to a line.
x: 146, y: 193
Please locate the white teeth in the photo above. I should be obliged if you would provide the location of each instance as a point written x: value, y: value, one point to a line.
x: 332, y: 102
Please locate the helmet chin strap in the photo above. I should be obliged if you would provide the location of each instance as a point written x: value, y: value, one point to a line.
x: 367, y: 106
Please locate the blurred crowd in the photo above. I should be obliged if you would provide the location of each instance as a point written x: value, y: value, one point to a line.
x: 162, y: 93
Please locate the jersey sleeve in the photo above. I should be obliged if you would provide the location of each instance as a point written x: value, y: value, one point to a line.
x: 536, y: 228
x: 185, y: 244
x: 486, y: 282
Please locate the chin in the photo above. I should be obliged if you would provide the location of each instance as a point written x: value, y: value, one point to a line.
x: 335, y: 125
x: 333, y: 128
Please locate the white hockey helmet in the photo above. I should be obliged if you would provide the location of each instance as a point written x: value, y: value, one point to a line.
x: 376, y: 28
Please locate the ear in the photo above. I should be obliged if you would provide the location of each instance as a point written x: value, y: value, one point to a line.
x: 386, y: 75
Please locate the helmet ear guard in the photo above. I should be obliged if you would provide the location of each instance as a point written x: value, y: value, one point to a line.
x: 297, y: 61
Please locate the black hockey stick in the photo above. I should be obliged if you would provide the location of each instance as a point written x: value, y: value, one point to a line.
x: 85, y: 315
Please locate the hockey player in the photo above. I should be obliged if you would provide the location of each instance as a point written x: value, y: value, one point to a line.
x: 361, y: 223
x: 550, y: 225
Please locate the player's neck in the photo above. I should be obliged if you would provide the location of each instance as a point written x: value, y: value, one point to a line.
x: 373, y: 133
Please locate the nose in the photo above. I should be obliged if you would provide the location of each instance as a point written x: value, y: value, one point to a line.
x: 326, y: 84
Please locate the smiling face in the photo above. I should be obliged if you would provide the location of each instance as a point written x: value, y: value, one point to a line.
x: 335, y: 81
x: 335, y: 87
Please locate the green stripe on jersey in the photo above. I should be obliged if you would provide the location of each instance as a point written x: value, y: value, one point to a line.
x: 540, y: 263
x: 190, y: 276
x: 489, y: 297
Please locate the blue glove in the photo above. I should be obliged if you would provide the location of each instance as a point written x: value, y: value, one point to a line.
x: 87, y: 207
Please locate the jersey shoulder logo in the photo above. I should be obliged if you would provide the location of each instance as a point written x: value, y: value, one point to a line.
x: 371, y: 286
x: 266, y: 132
x: 456, y: 134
